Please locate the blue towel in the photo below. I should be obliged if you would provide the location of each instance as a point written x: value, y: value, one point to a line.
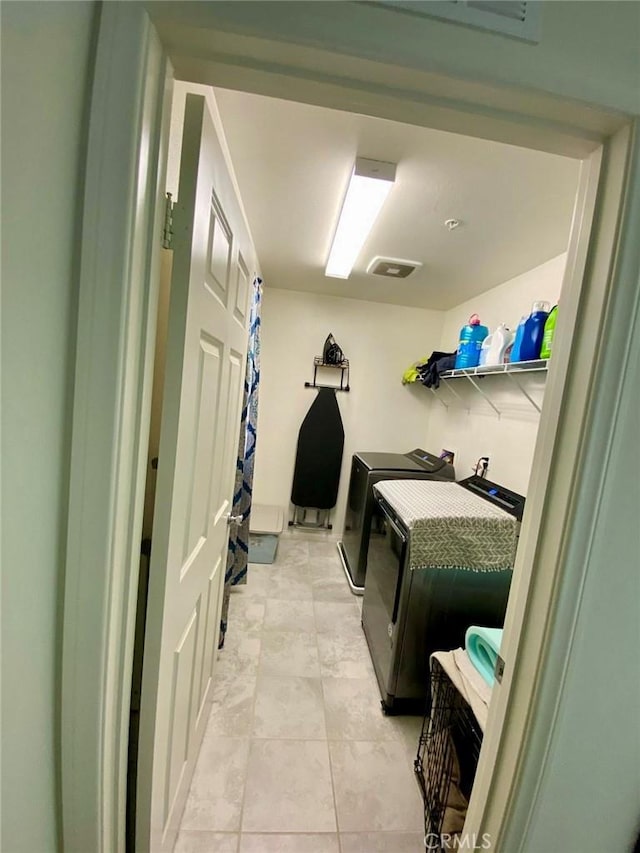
x: 483, y: 645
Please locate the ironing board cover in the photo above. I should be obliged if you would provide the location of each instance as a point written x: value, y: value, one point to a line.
x: 450, y: 527
x: 316, y: 475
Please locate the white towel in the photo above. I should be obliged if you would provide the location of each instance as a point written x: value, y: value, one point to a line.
x: 468, y: 681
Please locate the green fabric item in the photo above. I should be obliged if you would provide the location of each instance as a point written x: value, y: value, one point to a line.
x: 411, y: 373
x: 483, y: 647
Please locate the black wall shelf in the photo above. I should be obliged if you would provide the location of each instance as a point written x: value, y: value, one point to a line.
x: 343, y: 367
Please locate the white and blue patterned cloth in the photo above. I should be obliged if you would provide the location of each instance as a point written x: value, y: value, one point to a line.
x: 450, y: 527
x: 237, y: 559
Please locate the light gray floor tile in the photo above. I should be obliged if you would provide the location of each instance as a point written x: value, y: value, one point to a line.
x: 338, y: 617
x: 282, y: 615
x: 326, y: 567
x: 344, y: 657
x: 292, y: 551
x: 290, y: 584
x: 288, y: 788
x: 382, y: 842
x: 289, y: 707
x: 197, y: 841
x: 326, y: 842
x: 352, y: 709
x: 215, y: 798
x: 289, y: 653
x: 256, y: 585
x: 239, y: 657
x: 290, y: 571
x: 374, y: 787
x: 290, y: 567
x: 408, y: 729
x: 246, y: 615
x: 322, y: 546
x: 232, y: 707
x: 332, y: 589
x: 288, y: 803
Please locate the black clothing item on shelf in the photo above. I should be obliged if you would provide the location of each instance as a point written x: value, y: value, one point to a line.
x: 438, y: 362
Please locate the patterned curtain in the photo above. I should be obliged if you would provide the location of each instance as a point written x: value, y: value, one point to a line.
x: 237, y: 558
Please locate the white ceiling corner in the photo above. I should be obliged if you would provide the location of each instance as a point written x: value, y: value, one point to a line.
x: 293, y: 161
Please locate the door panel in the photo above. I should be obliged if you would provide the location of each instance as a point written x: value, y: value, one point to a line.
x: 207, y: 395
x: 242, y: 291
x: 183, y: 670
x: 211, y: 621
x: 220, y: 243
x: 204, y: 375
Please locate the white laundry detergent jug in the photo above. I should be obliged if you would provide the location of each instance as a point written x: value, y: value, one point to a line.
x: 494, y: 346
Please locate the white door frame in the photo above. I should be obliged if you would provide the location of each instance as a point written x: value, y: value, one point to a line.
x: 117, y: 312
x: 116, y: 330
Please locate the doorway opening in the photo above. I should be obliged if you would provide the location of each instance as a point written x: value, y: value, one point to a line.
x: 109, y: 595
x: 515, y: 207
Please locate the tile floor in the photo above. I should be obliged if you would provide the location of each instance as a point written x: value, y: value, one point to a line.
x: 297, y: 756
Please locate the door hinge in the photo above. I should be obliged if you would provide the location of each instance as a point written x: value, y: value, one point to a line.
x: 167, y: 231
x: 499, y: 670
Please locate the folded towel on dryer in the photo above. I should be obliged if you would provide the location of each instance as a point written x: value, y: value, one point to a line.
x: 483, y: 646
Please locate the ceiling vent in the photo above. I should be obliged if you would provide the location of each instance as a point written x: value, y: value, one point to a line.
x: 517, y: 18
x: 392, y: 267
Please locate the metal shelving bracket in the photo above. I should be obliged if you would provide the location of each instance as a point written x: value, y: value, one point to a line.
x: 524, y: 391
x: 473, y: 374
x: 453, y: 391
x: 482, y: 394
x: 440, y: 400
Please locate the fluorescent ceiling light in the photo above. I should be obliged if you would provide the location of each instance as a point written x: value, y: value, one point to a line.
x: 369, y: 186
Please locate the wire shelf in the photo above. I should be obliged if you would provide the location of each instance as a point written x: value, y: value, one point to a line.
x: 475, y: 374
x: 318, y: 362
x: 537, y: 366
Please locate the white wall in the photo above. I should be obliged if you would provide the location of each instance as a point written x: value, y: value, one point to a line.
x: 45, y: 73
x: 509, y: 440
x: 379, y: 413
x: 507, y: 302
x: 593, y: 768
x: 576, y: 37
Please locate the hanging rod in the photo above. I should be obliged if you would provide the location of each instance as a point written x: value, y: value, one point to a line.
x: 346, y: 389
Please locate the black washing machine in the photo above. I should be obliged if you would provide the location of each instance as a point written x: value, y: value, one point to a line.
x: 367, y: 469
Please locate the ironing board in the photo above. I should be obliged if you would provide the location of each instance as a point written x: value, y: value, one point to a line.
x: 316, y: 475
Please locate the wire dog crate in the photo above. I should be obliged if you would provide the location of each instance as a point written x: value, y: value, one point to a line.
x: 447, y: 757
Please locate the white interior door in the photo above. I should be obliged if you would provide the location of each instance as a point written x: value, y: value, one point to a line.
x: 205, y: 365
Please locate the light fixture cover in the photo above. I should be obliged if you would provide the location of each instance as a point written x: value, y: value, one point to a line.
x: 370, y: 183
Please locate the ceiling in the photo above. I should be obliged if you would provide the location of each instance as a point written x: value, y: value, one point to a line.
x: 293, y: 162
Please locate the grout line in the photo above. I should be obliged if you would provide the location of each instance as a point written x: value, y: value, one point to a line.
x: 251, y: 738
x: 324, y: 712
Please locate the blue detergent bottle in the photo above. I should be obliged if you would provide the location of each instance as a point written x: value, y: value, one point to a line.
x: 534, y: 331
x: 470, y: 343
x: 517, y: 342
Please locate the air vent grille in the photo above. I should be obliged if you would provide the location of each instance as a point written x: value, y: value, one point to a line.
x: 517, y: 18
x: 392, y: 267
